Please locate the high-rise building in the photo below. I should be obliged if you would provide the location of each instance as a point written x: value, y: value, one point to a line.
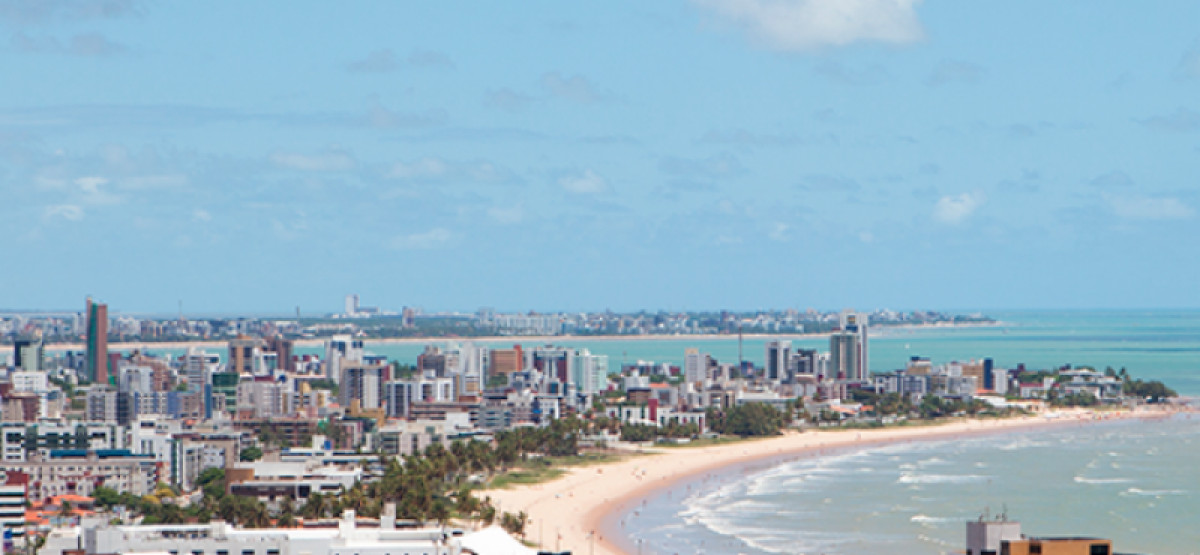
x: 341, y: 348
x: 97, y: 342
x: 843, y: 355
x: 28, y: 353
x: 589, y: 372
x: 695, y: 366
x: 554, y: 362
x: 803, y: 363
x: 197, y: 366
x: 284, y: 352
x: 363, y: 383
x: 775, y: 364
x: 856, y: 323
x: 507, y: 361
x: 244, y: 355
x: 351, y: 305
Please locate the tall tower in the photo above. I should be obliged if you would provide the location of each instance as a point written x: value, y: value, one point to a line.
x: 843, y: 355
x: 775, y: 362
x: 97, y: 342
x: 856, y: 323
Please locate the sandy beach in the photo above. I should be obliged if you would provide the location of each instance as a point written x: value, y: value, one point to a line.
x: 572, y: 512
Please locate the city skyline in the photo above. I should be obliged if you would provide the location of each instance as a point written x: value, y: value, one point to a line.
x: 682, y: 155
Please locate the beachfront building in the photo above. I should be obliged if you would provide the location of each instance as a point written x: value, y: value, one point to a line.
x: 219, y: 538
x: 1093, y: 383
x: 1003, y: 537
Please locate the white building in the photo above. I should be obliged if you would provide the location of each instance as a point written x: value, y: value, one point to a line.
x: 695, y: 366
x: 341, y: 348
x: 589, y: 372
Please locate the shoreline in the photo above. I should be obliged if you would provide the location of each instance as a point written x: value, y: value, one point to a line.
x: 592, y: 500
x: 551, y: 339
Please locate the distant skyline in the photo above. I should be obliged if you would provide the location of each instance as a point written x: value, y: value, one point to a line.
x: 682, y: 155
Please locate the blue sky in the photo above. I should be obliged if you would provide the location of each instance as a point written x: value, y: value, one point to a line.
x: 565, y: 155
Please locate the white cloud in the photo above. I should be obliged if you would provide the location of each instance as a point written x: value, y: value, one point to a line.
x: 1181, y: 120
x: 324, y: 162
x: 426, y: 240
x: 201, y: 215
x: 587, y: 183
x: 91, y: 185
x: 507, y: 99
x: 507, y: 215
x: 85, y: 44
x: 954, y: 209
x: 955, y: 71
x: 1189, y: 63
x: 866, y: 236
x: 378, y: 61
x: 799, y: 25
x: 69, y: 212
x: 779, y: 232
x: 575, y: 87
x: 425, y: 168
x: 91, y: 191
x: 1149, y: 208
x: 434, y: 169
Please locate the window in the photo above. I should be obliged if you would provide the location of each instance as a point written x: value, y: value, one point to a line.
x: 247, y: 552
x: 1099, y: 549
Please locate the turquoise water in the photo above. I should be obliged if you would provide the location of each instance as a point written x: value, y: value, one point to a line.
x: 1159, y: 344
x: 1132, y: 482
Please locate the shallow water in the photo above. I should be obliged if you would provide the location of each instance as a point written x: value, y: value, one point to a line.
x: 1133, y: 482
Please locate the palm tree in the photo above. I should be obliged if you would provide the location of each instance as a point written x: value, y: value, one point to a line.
x: 314, y: 507
x: 287, y: 516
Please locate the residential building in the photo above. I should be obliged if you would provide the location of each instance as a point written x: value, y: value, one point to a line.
x: 97, y: 342
x: 777, y: 356
x: 79, y: 472
x: 843, y: 355
x: 506, y: 361
x: 341, y: 348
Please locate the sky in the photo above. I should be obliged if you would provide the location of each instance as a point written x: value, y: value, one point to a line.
x: 625, y: 155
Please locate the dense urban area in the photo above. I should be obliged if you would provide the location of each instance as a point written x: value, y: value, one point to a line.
x: 110, y: 450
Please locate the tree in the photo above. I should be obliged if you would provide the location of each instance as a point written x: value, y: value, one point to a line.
x: 250, y: 454
x: 637, y: 432
x: 514, y: 524
x: 752, y: 420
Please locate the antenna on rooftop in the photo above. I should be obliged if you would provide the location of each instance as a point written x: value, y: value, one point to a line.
x: 1004, y: 512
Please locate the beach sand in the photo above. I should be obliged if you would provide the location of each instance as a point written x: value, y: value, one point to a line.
x: 574, y: 511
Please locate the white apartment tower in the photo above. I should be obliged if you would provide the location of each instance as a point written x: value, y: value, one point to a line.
x: 695, y: 366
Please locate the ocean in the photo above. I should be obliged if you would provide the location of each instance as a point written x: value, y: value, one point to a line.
x: 1133, y: 482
